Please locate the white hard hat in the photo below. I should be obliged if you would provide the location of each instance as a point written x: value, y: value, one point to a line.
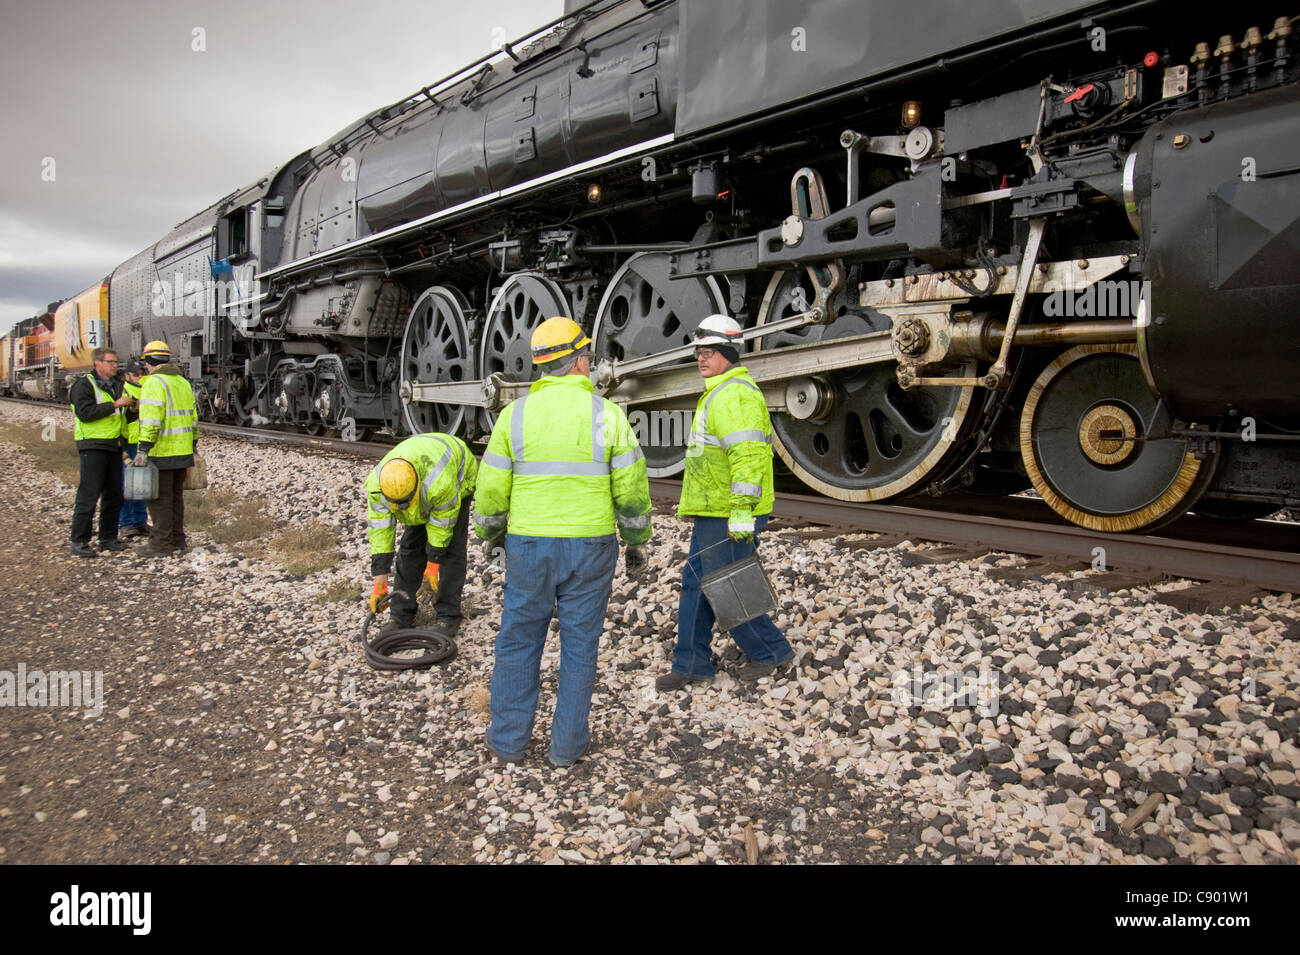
x: 718, y: 330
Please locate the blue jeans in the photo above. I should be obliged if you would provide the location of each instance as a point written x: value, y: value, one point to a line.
x: 572, y: 578
x: 134, y: 513
x: 759, y: 638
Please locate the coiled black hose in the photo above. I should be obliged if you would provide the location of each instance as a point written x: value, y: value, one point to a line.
x: 441, y: 648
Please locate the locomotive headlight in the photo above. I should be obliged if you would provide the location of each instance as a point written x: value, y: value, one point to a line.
x: 911, y: 114
x: 593, y: 192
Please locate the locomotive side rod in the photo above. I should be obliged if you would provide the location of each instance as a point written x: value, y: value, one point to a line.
x: 661, y: 380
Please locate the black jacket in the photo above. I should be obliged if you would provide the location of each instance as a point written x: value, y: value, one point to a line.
x: 85, y: 407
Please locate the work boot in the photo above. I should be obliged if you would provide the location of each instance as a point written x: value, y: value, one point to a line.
x: 450, y: 626
x: 82, y: 549
x: 112, y: 545
x: 676, y: 681
x: 756, y: 671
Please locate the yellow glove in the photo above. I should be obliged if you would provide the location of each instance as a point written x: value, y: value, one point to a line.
x: 429, y: 584
x: 378, y: 596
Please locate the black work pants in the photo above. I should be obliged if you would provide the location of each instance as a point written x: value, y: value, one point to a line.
x: 412, y: 555
x: 168, y: 511
x: 101, y: 483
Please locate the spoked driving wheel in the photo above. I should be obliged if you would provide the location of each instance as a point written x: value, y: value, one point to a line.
x: 436, y: 348
x: 643, y: 312
x: 1082, y: 441
x: 855, y: 434
x: 523, y: 302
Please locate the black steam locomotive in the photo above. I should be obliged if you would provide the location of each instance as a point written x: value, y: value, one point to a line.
x: 985, y: 246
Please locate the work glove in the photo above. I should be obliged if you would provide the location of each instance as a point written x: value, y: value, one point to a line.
x: 635, y: 560
x: 378, y: 596
x: 141, y: 458
x: 740, y: 525
x: 429, y: 582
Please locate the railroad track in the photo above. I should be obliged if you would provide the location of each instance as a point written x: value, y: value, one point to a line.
x: 1191, y: 548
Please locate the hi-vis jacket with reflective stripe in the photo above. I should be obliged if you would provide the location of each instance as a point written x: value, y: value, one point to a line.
x: 132, y: 417
x: 544, y: 476
x: 103, y: 430
x: 729, y: 452
x: 447, y: 473
x: 169, y: 423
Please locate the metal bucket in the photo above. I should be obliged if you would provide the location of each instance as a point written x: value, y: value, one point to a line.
x: 140, y: 484
x: 738, y: 592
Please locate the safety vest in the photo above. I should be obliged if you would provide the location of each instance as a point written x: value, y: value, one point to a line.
x: 729, y: 452
x: 447, y: 472
x: 168, y: 418
x: 563, y: 462
x: 132, y: 427
x: 101, y: 429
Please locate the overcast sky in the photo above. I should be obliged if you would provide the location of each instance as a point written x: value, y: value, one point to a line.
x: 143, y: 130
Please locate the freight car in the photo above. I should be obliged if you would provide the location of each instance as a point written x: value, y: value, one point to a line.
x: 990, y: 246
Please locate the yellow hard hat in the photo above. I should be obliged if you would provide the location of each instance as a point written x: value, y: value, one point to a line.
x: 156, y: 349
x: 397, y: 482
x: 557, y: 337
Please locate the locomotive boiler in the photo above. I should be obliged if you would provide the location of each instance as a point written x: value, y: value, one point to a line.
x: 1048, y: 244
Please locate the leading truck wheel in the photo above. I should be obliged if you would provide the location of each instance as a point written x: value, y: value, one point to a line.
x: 1081, y: 441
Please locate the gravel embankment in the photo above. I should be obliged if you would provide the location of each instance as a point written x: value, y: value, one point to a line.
x: 241, y: 724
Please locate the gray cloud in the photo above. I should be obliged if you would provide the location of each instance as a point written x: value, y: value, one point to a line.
x: 144, y: 130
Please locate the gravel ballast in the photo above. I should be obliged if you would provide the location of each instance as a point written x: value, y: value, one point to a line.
x: 935, y: 714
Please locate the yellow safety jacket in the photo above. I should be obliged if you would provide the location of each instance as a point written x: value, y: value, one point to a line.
x: 447, y: 473
x: 132, y: 424
x: 563, y: 462
x: 168, y: 418
x: 101, y: 429
x: 729, y: 452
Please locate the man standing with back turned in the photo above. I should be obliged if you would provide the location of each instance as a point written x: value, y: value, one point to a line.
x: 169, y: 429
x: 727, y: 492
x: 562, y: 469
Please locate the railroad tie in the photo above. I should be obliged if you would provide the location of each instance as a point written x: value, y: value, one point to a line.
x: 942, y: 555
x: 1209, y: 598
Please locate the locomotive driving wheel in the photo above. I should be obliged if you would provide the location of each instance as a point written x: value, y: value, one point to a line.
x: 855, y: 434
x: 644, y: 312
x: 524, y: 301
x: 436, y: 348
x: 1081, y: 441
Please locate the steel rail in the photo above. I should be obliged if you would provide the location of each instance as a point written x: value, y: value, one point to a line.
x: 1269, y: 570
